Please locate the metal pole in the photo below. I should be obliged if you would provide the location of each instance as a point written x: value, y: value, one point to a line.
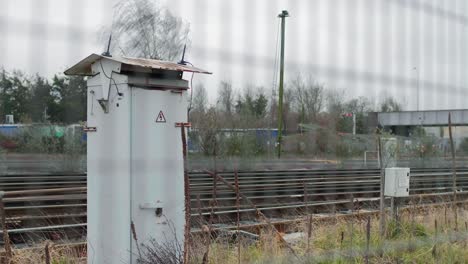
x: 283, y: 16
x: 382, y: 188
x: 365, y: 159
x: 41, y: 228
x: 454, y: 173
x: 417, y: 88
x: 354, y: 123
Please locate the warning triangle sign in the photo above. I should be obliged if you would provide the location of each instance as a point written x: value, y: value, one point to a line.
x: 161, y: 118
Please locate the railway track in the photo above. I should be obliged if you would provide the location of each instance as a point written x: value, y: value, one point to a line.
x: 54, y: 205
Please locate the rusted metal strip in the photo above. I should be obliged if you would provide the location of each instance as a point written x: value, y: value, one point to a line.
x: 259, y: 213
x: 183, y: 125
x: 187, y: 195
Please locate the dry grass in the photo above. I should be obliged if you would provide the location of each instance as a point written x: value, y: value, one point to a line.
x: 58, y: 254
x: 414, y: 240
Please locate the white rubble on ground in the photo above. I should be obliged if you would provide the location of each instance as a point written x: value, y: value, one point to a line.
x: 294, y: 237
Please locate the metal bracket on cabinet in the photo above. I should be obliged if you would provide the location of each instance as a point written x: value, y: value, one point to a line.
x: 182, y: 124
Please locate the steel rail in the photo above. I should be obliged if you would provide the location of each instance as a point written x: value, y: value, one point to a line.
x: 42, y: 228
x: 270, y: 189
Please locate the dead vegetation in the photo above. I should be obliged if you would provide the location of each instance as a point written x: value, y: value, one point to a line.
x: 49, y: 253
x: 423, y: 235
x: 420, y: 236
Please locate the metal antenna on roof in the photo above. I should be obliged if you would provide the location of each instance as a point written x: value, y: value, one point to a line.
x: 107, y: 53
x: 182, y: 61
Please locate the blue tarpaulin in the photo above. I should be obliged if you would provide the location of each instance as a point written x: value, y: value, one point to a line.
x: 9, y: 130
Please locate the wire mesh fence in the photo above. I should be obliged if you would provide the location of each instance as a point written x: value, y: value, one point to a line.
x: 346, y: 62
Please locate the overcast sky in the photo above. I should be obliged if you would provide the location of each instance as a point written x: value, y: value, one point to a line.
x: 370, y: 48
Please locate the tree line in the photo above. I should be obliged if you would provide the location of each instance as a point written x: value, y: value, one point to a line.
x: 35, y: 99
x: 314, y: 117
x: 306, y: 101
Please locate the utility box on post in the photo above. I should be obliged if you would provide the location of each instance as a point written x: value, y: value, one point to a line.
x: 134, y: 153
x: 397, y: 182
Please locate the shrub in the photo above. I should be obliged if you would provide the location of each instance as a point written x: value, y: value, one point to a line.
x: 241, y: 144
x: 463, y: 148
x: 396, y: 230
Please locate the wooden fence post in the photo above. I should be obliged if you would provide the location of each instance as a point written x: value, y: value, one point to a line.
x: 368, y: 228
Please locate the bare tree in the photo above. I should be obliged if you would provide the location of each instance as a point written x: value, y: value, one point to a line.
x: 225, y: 97
x: 308, y: 97
x: 389, y: 104
x: 335, y: 106
x: 198, y: 105
x: 208, y: 128
x: 358, y: 105
x: 335, y: 100
x: 142, y: 28
x: 200, y: 99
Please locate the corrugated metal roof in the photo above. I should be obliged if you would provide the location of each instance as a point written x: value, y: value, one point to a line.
x: 84, y: 67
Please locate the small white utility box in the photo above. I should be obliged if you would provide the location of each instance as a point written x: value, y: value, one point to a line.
x: 9, y: 119
x: 134, y: 155
x: 397, y: 182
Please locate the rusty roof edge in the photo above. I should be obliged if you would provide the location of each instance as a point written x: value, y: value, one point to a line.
x: 160, y: 64
x: 84, y: 66
x: 79, y: 68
